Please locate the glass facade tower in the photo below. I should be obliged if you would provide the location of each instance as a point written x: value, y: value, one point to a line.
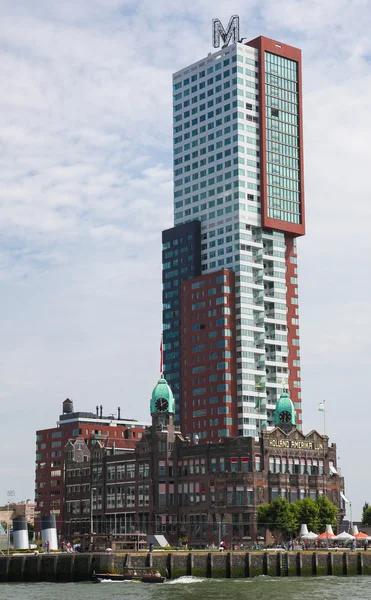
x: 238, y: 173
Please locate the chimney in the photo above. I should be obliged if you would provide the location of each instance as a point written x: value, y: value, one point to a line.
x: 119, y: 413
x: 101, y: 411
x: 97, y: 409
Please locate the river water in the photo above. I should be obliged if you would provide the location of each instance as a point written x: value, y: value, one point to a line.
x: 191, y: 588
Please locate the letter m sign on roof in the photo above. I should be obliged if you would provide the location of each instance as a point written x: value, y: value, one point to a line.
x: 232, y: 33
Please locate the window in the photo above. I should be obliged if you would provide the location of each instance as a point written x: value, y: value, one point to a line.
x: 111, y: 473
x: 120, y: 471
x: 239, y: 496
x: 161, y: 468
x: 130, y: 470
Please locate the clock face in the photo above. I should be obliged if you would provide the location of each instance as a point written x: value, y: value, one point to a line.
x: 285, y: 416
x: 162, y: 404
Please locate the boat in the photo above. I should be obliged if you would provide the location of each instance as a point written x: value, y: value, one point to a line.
x: 135, y: 575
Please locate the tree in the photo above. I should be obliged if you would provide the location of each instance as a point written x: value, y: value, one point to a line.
x: 327, y: 512
x: 366, y: 515
x: 308, y: 513
x: 280, y: 517
x: 264, y: 516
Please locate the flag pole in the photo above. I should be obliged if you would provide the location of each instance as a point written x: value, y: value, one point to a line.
x: 324, y: 417
x: 161, y: 357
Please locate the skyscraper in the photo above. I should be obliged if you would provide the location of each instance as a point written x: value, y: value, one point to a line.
x: 231, y: 340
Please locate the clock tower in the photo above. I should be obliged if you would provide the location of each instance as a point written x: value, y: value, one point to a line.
x: 162, y: 403
x: 285, y: 415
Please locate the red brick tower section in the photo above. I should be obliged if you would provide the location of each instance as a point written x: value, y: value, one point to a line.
x: 293, y: 338
x: 208, y: 326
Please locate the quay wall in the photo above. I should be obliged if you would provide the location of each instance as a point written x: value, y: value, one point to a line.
x: 81, y: 567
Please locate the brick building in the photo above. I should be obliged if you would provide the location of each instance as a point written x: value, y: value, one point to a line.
x: 170, y: 485
x: 50, y: 443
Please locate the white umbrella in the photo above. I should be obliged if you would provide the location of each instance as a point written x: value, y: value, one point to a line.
x: 344, y: 537
x: 309, y: 536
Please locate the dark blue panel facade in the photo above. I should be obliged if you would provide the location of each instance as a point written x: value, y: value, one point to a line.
x: 181, y: 260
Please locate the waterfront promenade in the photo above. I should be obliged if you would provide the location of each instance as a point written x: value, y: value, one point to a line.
x: 60, y: 567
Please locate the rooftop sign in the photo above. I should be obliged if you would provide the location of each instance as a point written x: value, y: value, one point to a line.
x: 295, y: 444
x: 232, y: 33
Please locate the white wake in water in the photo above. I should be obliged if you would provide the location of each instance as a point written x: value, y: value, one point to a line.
x: 189, y: 579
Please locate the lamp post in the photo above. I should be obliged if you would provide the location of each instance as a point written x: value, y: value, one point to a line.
x: 259, y: 387
x: 350, y: 517
x: 92, y: 489
x: 10, y: 494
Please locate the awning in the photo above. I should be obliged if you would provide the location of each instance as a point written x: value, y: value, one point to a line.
x: 326, y: 534
x: 157, y: 540
x: 333, y: 470
x: 344, y: 497
x: 344, y: 537
x: 362, y: 536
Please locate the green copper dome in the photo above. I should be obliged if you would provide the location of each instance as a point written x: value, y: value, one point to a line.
x: 285, y: 412
x: 162, y: 398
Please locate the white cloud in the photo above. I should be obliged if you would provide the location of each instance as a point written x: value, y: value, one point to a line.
x: 85, y: 168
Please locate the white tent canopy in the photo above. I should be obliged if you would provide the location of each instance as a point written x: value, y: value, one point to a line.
x: 344, y: 537
x: 309, y: 536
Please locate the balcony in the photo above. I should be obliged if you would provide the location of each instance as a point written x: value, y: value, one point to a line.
x: 272, y: 314
x: 277, y: 478
x: 315, y: 481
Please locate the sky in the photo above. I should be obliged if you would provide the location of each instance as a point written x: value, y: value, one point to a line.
x: 86, y: 189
